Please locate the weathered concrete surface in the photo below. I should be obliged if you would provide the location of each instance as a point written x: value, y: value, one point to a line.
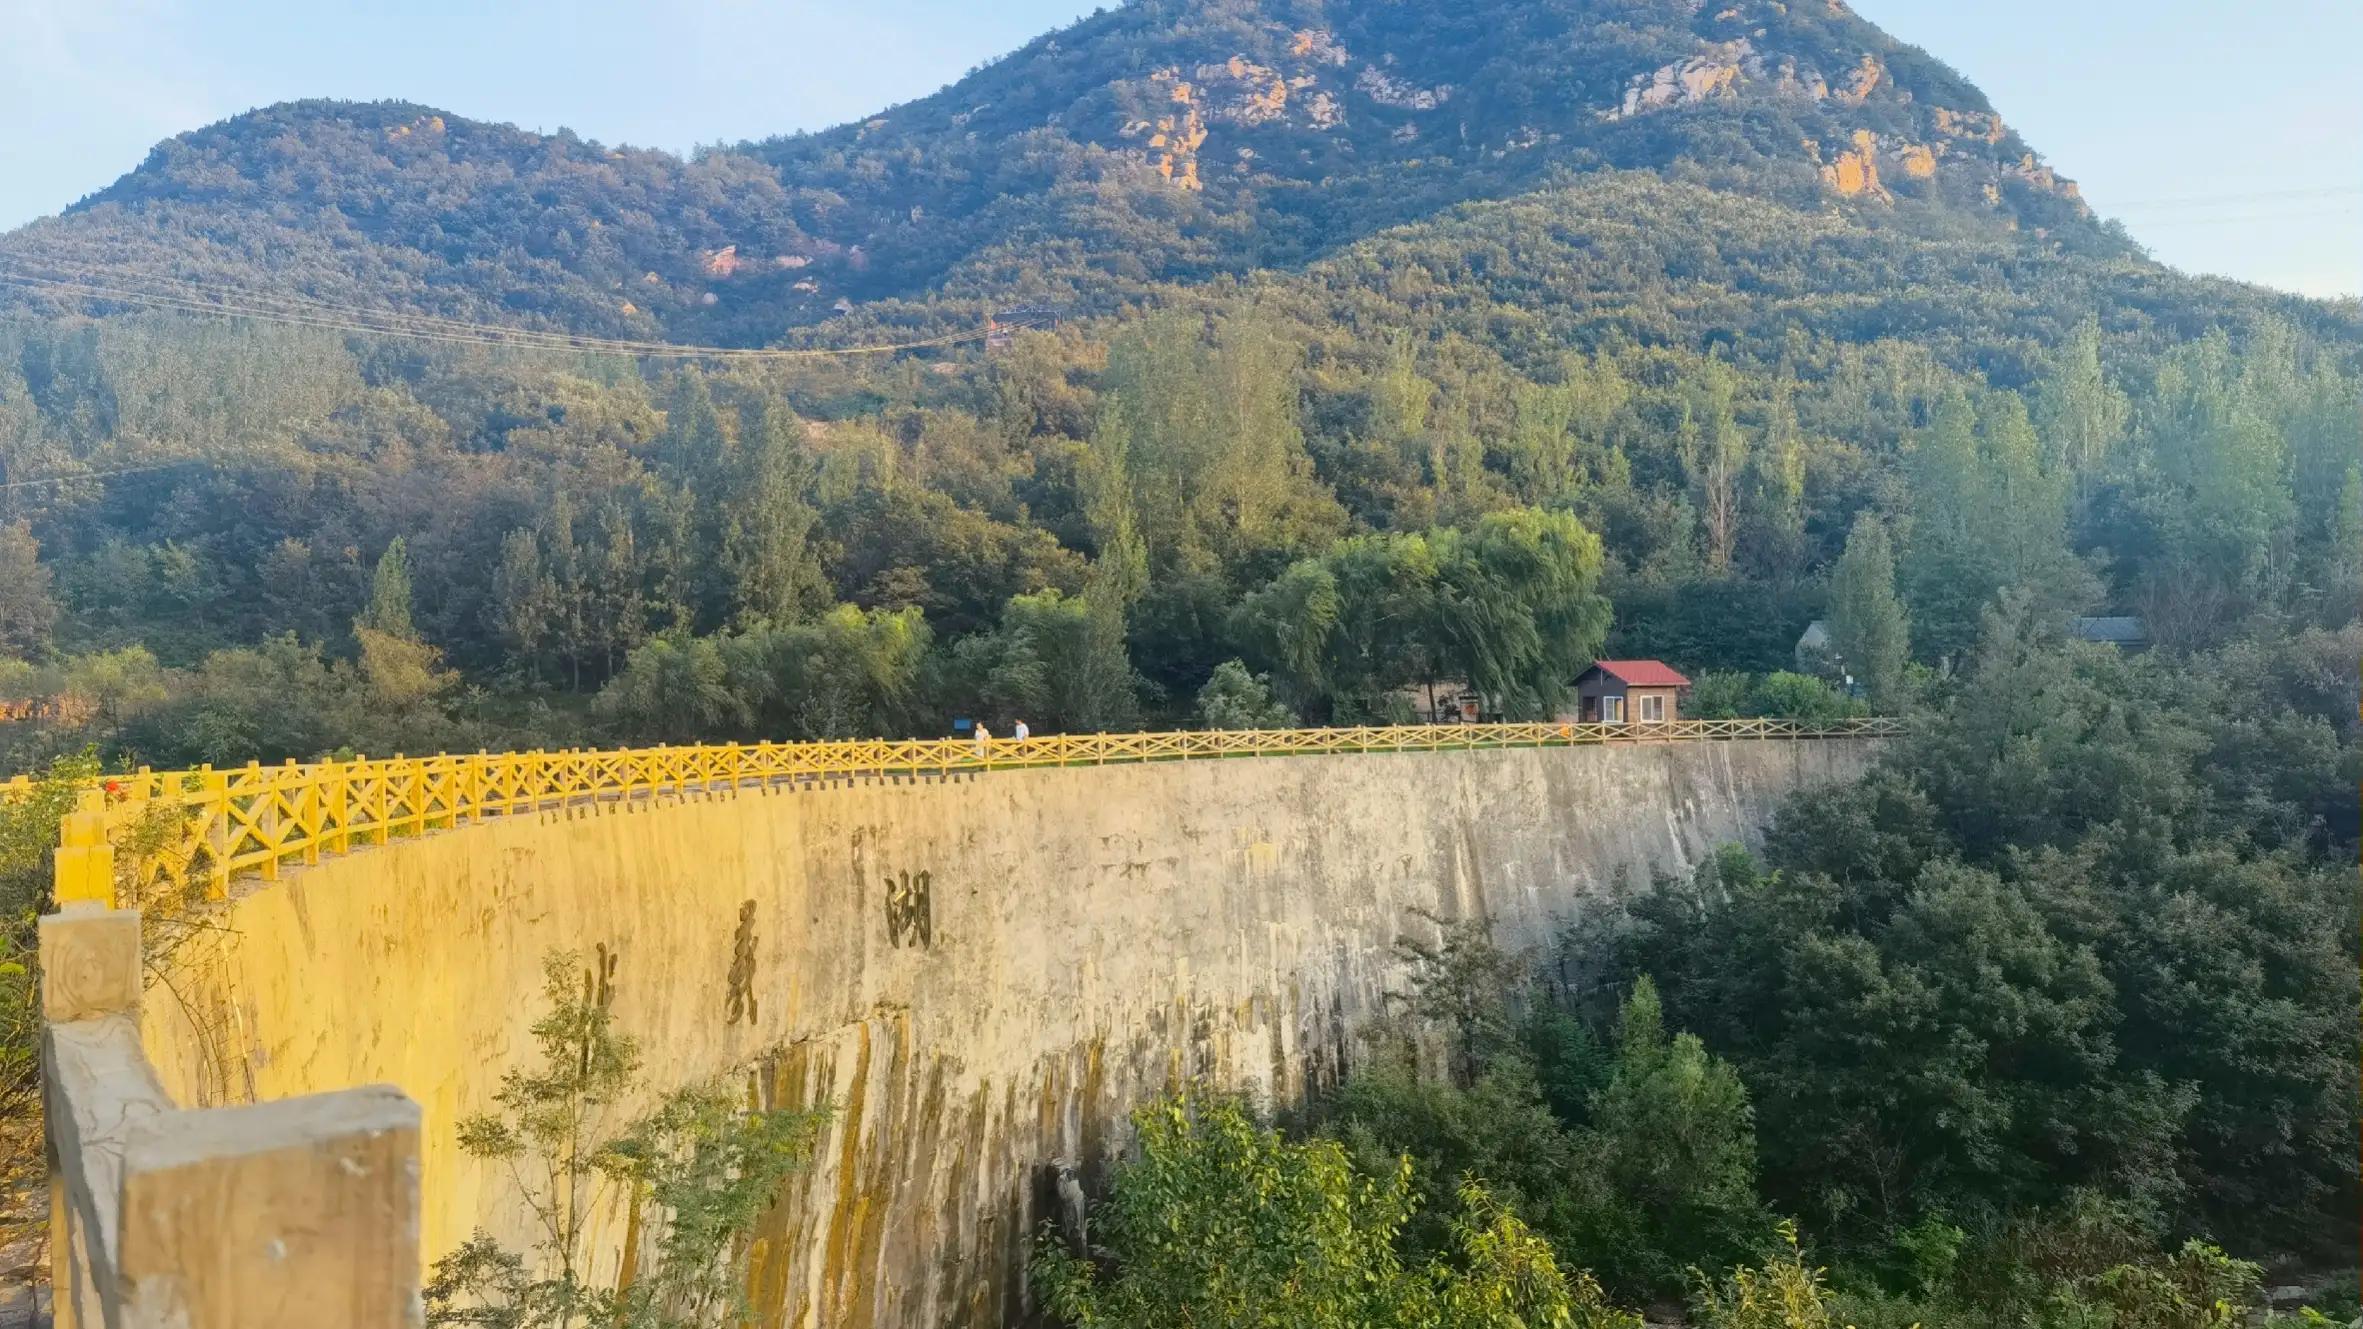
x: 284, y: 1215
x: 982, y: 976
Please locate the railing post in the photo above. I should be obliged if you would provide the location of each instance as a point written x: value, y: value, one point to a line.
x: 293, y: 1214
x: 337, y: 803
x: 266, y: 819
x: 307, y: 810
x: 213, y: 787
x: 90, y: 980
x: 85, y: 867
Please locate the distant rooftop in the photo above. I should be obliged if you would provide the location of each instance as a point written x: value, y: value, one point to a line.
x: 1642, y: 673
x: 2122, y: 631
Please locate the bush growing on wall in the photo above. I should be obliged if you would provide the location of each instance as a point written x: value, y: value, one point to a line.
x: 706, y: 1165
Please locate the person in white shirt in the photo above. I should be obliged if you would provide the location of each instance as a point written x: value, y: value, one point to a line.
x: 1020, y: 732
x: 984, y: 736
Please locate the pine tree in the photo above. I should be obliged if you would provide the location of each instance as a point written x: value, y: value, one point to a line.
x: 1867, y: 622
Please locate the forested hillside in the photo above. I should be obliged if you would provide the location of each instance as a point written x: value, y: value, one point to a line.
x: 1365, y: 345
x: 1164, y: 141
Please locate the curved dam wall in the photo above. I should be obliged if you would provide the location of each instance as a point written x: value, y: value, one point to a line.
x: 981, y: 974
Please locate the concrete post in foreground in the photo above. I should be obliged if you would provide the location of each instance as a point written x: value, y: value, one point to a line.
x: 296, y: 1214
x: 289, y: 1215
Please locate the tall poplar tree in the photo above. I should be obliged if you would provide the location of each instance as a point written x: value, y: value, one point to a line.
x: 1868, y: 626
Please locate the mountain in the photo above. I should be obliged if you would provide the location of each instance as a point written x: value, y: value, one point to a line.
x: 1165, y: 141
x: 1706, y: 277
x: 1396, y: 344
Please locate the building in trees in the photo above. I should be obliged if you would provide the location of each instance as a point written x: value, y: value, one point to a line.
x: 1629, y: 692
x: 1446, y: 701
x: 2124, y: 632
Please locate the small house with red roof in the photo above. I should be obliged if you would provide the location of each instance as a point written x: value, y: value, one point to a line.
x: 1628, y: 692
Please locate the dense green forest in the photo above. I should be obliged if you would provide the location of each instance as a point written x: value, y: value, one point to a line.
x: 2049, y: 1021
x: 1378, y: 344
x: 1081, y: 527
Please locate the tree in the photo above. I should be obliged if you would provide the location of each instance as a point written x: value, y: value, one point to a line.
x: 1236, y: 699
x: 403, y: 675
x: 1461, y: 985
x: 1987, y: 516
x: 1223, y: 1224
x: 671, y: 690
x: 388, y: 610
x: 703, y: 1162
x: 2215, y: 499
x: 525, y: 600
x: 1775, y: 511
x: 1787, y: 696
x: 2345, y: 601
x: 1053, y: 662
x: 2070, y: 934
x: 766, y: 526
x: 1208, y: 409
x: 853, y: 674
x: 1674, y: 1140
x: 1717, y: 458
x: 1784, y: 1292
x: 1867, y: 623
x: 26, y: 611
x: 2079, y: 414
x: 28, y: 837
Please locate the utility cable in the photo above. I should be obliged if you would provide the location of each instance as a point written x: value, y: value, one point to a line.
x: 99, y: 284
x: 102, y: 475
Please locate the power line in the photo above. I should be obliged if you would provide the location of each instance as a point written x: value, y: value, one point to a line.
x: 378, y: 323
x: 117, y: 285
x: 101, y: 475
x: 2252, y: 218
x: 2211, y: 200
x: 314, y: 312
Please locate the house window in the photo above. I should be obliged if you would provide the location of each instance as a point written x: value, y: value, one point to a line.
x: 1612, y: 710
x: 1653, y: 709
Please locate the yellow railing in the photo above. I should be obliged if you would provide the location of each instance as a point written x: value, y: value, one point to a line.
x: 190, y: 832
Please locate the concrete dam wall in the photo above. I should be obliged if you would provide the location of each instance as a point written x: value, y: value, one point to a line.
x: 981, y: 974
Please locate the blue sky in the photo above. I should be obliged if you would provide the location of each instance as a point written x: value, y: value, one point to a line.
x: 2228, y: 134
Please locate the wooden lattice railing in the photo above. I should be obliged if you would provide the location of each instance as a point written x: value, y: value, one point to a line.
x: 193, y: 831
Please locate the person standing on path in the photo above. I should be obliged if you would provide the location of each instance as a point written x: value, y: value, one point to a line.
x: 984, y: 739
x: 1020, y: 732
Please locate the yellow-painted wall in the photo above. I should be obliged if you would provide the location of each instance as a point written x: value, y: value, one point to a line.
x: 1092, y: 934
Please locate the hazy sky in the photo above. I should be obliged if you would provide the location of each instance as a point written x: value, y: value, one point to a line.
x: 2228, y: 134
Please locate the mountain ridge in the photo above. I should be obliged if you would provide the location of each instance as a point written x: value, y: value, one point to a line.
x: 1168, y: 141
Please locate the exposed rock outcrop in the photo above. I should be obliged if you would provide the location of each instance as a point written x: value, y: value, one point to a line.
x: 1862, y: 82
x: 1318, y: 46
x: 1715, y: 71
x: 1402, y: 94
x: 1855, y: 171
x: 1984, y: 125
